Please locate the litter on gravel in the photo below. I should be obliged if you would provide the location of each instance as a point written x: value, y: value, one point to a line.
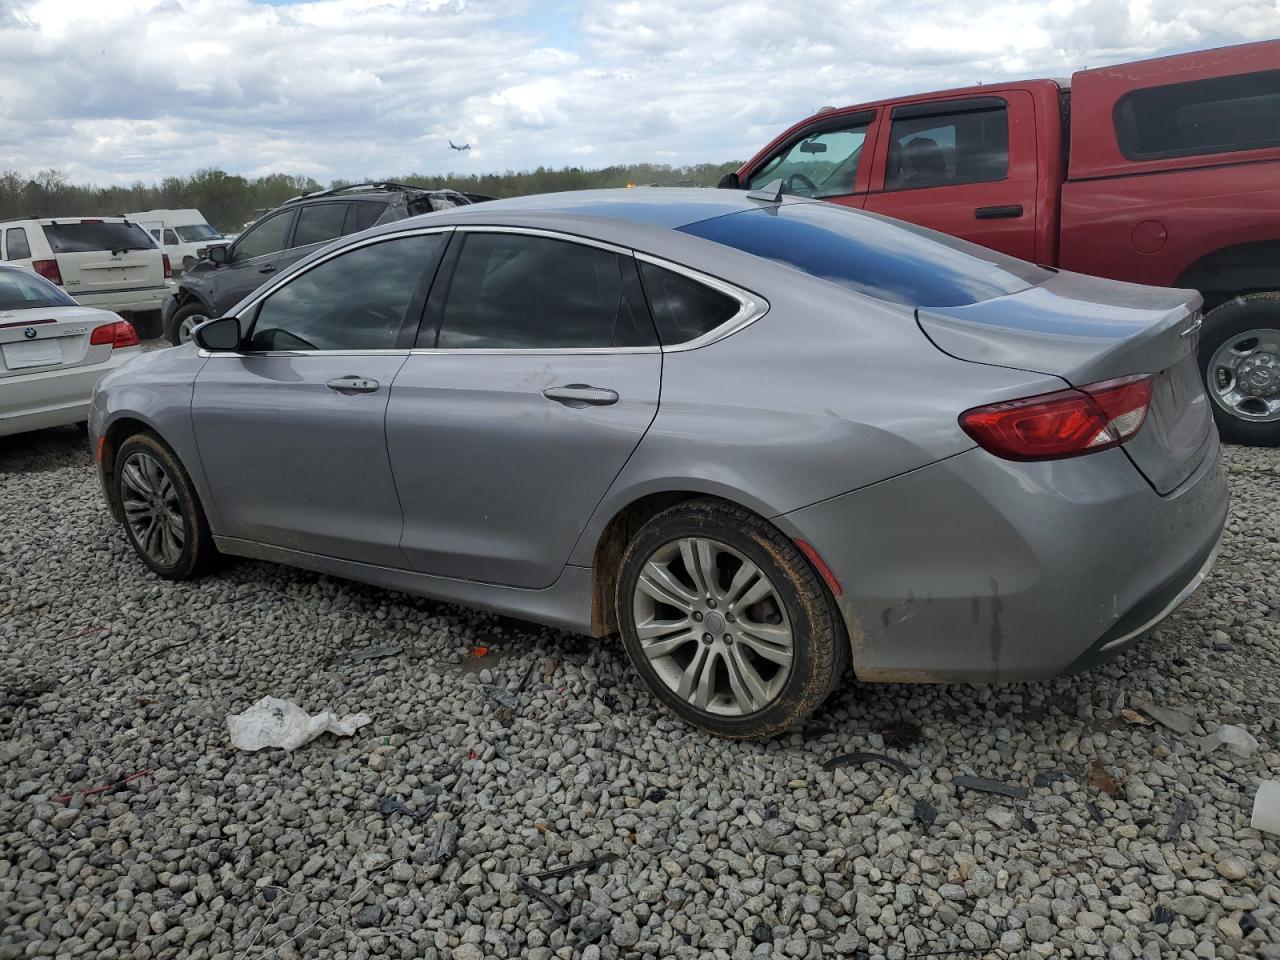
x: 272, y: 722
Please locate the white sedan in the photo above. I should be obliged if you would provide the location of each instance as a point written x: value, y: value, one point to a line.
x: 52, y: 352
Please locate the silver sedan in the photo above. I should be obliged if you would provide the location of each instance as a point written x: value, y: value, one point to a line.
x: 763, y: 439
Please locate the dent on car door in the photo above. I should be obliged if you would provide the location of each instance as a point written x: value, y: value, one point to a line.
x: 540, y: 376
x: 827, y: 160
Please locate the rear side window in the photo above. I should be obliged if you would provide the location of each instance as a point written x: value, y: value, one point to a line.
x: 89, y: 236
x: 195, y: 232
x: 20, y: 289
x: 16, y: 245
x: 320, y: 222
x: 519, y: 292
x: 877, y: 256
x: 170, y: 238
x: 936, y: 149
x: 684, y: 309
x: 362, y: 216
x: 1205, y: 116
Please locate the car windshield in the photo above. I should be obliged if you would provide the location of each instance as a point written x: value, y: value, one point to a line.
x: 84, y: 236
x: 21, y: 289
x: 195, y: 232
x: 880, y: 257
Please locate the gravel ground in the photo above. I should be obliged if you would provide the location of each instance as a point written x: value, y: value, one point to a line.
x: 421, y: 835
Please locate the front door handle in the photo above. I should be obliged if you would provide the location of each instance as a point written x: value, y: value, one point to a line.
x: 269, y: 268
x: 999, y: 213
x: 350, y: 385
x: 581, y: 395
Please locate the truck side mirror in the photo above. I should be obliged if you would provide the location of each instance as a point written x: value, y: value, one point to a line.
x: 729, y: 182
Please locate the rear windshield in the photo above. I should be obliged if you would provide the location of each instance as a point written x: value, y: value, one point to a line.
x: 882, y: 258
x: 20, y: 289
x: 196, y: 232
x: 89, y: 235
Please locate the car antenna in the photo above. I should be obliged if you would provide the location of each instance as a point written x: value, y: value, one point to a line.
x: 771, y: 192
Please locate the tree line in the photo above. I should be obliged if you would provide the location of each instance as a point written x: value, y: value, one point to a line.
x: 229, y: 201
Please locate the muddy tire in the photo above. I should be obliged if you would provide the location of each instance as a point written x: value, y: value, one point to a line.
x: 1240, y: 363
x: 726, y: 621
x: 163, y: 520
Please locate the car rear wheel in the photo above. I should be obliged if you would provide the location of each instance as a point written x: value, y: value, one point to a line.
x: 184, y: 320
x: 726, y: 621
x: 1240, y: 360
x: 163, y: 520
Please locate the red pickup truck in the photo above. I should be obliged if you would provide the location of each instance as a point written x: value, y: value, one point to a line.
x: 1163, y: 172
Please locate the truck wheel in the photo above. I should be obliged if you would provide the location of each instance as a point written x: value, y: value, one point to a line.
x: 1240, y: 361
x: 184, y: 320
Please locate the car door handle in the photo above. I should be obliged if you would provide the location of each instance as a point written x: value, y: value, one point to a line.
x: 581, y: 395
x: 350, y: 385
x: 269, y: 268
x: 999, y: 213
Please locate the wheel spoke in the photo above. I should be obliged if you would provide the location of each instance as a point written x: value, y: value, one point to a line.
x: 692, y: 680
x: 660, y: 584
x: 755, y: 593
x: 135, y: 479
x: 652, y: 628
x: 665, y: 646
x: 743, y: 578
x: 773, y: 642
x: 746, y: 683
x: 699, y: 559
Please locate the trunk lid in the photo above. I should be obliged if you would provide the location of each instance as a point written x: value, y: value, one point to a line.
x: 104, y: 256
x: 50, y: 338
x: 1085, y: 330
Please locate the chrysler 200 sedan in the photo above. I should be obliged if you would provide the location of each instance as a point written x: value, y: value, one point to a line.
x: 762, y: 438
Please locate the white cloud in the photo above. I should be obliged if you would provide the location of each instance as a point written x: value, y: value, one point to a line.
x: 140, y: 89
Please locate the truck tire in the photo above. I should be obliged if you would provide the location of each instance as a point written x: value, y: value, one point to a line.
x: 1240, y: 362
x: 183, y: 319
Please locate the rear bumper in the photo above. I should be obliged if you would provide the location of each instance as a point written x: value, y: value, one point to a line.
x: 976, y: 568
x: 125, y: 301
x: 52, y: 398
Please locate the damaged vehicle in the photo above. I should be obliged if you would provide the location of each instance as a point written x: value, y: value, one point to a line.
x: 226, y: 274
x: 764, y: 438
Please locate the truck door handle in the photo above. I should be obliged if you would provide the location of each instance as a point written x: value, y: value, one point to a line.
x: 581, y: 395
x: 350, y: 385
x: 999, y: 213
x: 270, y: 267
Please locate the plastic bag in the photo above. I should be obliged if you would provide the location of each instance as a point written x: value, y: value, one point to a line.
x: 1266, y: 808
x: 272, y: 722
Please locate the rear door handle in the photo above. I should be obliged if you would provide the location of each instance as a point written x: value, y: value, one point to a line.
x: 999, y: 213
x: 267, y: 269
x: 581, y: 395
x: 350, y: 385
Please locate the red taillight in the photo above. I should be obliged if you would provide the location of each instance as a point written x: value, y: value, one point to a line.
x: 168, y: 270
x: 90, y: 221
x: 48, y: 269
x: 118, y: 334
x: 1066, y: 423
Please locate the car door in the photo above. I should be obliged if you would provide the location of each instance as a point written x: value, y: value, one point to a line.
x: 252, y: 259
x: 538, y: 375
x: 290, y: 428
x: 828, y: 159
x: 964, y: 166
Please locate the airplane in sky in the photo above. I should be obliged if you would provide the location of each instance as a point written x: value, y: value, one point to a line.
x: 465, y: 146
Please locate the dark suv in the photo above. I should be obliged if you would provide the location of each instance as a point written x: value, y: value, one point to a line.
x: 226, y: 274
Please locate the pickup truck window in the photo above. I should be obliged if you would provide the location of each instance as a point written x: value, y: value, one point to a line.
x: 1201, y: 117
x: 822, y: 165
x: 947, y: 146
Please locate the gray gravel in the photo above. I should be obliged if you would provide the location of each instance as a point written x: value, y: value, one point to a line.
x: 421, y: 836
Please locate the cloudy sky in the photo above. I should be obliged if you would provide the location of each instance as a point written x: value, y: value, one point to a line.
x: 120, y: 90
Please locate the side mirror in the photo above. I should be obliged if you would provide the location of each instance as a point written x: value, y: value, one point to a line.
x: 729, y: 182
x: 218, y: 254
x: 218, y: 336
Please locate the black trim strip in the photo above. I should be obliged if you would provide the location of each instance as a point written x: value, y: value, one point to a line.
x: 92, y: 293
x: 1153, y: 173
x: 25, y: 323
x: 942, y: 108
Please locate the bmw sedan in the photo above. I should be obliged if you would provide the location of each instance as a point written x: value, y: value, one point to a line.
x: 766, y: 440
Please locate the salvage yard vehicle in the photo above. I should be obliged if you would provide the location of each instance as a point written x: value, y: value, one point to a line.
x: 286, y: 235
x: 184, y: 235
x: 52, y: 352
x: 1163, y: 172
x: 762, y: 437
x: 104, y: 262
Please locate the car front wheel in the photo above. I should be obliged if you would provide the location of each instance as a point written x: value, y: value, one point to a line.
x: 163, y: 520
x: 726, y: 621
x: 1240, y: 360
x: 184, y: 320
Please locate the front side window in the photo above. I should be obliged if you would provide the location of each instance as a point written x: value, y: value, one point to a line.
x: 20, y: 289
x: 1202, y: 117
x: 822, y: 165
x: 319, y: 222
x: 356, y: 301
x: 948, y: 148
x: 196, y: 232
x: 518, y: 292
x: 16, y: 245
x: 267, y: 237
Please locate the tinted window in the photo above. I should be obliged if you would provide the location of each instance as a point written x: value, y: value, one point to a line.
x: 883, y: 258
x: 363, y: 216
x: 521, y: 292
x: 948, y: 148
x: 89, y: 235
x: 16, y: 244
x: 823, y: 165
x: 195, y: 232
x: 319, y: 222
x: 684, y: 309
x: 21, y: 288
x: 356, y: 301
x: 1207, y: 116
x: 170, y: 237
x: 267, y: 237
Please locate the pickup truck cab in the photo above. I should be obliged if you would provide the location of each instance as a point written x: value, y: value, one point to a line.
x: 1164, y: 172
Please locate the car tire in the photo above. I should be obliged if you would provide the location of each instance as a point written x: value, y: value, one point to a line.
x: 672, y: 645
x: 163, y: 520
x: 1243, y: 335
x: 183, y: 319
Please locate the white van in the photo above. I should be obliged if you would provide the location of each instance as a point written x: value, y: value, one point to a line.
x: 183, y: 234
x: 104, y: 262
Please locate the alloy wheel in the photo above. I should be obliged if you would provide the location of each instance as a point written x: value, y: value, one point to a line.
x: 152, y: 510
x: 712, y: 626
x: 1244, y: 375
x: 188, y: 324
